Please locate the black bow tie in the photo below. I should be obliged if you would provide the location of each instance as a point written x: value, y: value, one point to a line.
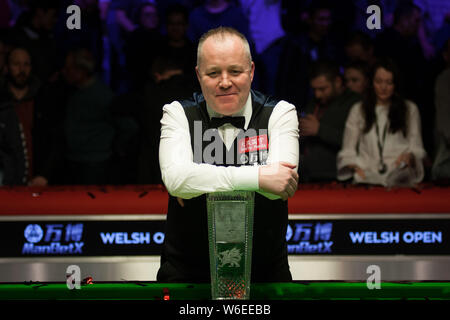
x: 238, y: 122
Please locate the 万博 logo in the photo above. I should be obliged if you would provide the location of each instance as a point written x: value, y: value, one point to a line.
x: 33, y: 233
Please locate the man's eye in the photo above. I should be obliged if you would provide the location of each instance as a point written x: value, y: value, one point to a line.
x: 212, y: 73
x: 235, y: 72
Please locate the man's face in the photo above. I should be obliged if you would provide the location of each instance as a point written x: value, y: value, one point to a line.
x: 355, y: 80
x: 48, y: 18
x: 321, y: 21
x: 149, y: 17
x: 324, y: 89
x: 410, y: 23
x: 357, y: 52
x: 225, y: 74
x: 19, y: 68
x: 71, y: 73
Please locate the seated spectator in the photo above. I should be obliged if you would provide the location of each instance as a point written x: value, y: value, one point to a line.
x: 322, y: 125
x: 35, y: 33
x: 89, y: 131
x: 20, y: 123
x: 170, y: 84
x: 441, y: 164
x: 356, y: 77
x: 176, y: 44
x: 382, y: 141
x: 142, y: 45
x: 403, y: 45
x: 215, y: 13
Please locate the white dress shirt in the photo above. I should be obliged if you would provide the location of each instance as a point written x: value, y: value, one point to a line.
x: 186, y: 179
x: 367, y: 157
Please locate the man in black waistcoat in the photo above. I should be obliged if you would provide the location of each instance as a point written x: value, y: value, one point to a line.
x: 227, y: 138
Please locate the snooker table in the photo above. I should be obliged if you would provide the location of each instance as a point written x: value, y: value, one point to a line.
x: 310, y: 290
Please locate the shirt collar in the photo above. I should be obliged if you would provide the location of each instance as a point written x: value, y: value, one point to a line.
x: 246, y: 111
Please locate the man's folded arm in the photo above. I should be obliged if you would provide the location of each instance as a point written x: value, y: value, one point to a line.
x: 283, y: 138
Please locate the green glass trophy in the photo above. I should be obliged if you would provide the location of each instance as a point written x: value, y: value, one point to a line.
x: 230, y: 232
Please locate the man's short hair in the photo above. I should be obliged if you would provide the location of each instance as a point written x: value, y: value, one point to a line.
x: 319, y: 5
x: 360, y: 65
x: 361, y: 38
x: 328, y: 69
x: 177, y: 8
x: 223, y: 32
x: 10, y: 52
x: 45, y: 5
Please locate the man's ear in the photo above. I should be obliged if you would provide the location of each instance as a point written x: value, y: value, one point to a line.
x: 197, y: 72
x: 157, y: 76
x: 252, y: 71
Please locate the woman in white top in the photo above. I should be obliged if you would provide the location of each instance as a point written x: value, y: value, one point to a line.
x: 382, y: 141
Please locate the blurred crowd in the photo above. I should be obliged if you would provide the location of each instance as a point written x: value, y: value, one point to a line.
x: 82, y: 106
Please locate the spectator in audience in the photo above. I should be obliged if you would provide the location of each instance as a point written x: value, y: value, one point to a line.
x: 359, y: 46
x: 17, y: 8
x: 89, y: 36
x: 322, y: 123
x: 120, y: 23
x: 441, y: 165
x: 89, y: 131
x: 434, y: 13
x: 20, y: 124
x: 356, y: 77
x: 215, y: 13
x: 299, y: 52
x: 142, y: 45
x: 266, y: 31
x: 441, y: 35
x: 382, y: 141
x: 176, y: 44
x: 401, y: 43
x: 35, y: 32
x: 170, y: 84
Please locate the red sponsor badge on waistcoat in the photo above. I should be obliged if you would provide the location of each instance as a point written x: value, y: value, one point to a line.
x: 251, y: 144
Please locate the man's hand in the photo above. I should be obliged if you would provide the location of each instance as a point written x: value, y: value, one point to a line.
x: 180, y: 201
x: 309, y: 125
x: 38, y: 181
x: 407, y: 158
x: 279, y: 178
x: 358, y: 170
